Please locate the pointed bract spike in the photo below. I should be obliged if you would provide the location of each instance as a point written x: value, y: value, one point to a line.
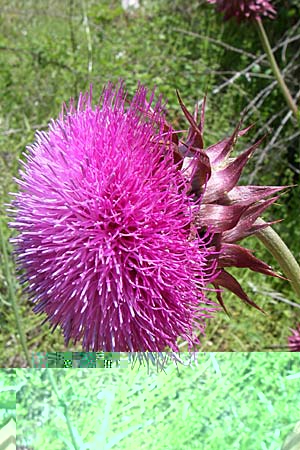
x: 203, y: 172
x: 177, y: 157
x: 215, y: 150
x: 258, y: 226
x: 231, y: 237
x: 227, y: 281
x: 198, y: 171
x: 196, y: 111
x: 224, y: 180
x: 251, y: 194
x: 247, y: 220
x: 232, y: 255
x: 202, y: 118
x: 221, y: 301
x: 245, y: 130
x: 230, y: 211
x: 254, y: 211
x: 219, y: 152
x: 196, y: 135
x: 220, y: 218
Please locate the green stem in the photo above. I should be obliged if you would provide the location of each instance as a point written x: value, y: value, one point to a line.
x: 13, y: 300
x: 288, y: 264
x: 284, y: 89
x: 65, y: 407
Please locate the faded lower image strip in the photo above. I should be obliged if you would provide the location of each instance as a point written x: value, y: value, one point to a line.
x: 7, y: 409
x: 292, y: 442
x: 8, y: 436
x: 210, y: 401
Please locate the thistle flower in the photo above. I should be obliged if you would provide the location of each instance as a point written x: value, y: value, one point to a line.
x: 244, y: 9
x: 230, y: 211
x: 253, y: 10
x: 104, y: 225
x: 294, y: 340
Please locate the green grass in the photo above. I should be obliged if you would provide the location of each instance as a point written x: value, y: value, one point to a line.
x: 244, y: 401
x: 45, y: 59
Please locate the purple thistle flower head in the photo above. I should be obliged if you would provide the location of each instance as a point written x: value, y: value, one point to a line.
x: 294, y: 340
x: 244, y: 9
x: 104, y: 229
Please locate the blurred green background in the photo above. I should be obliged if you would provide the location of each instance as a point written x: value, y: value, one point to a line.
x: 228, y: 401
x: 51, y: 51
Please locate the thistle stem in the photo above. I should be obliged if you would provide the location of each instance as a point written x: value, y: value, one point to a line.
x: 288, y: 264
x: 284, y: 89
x: 65, y: 407
x: 12, y: 297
